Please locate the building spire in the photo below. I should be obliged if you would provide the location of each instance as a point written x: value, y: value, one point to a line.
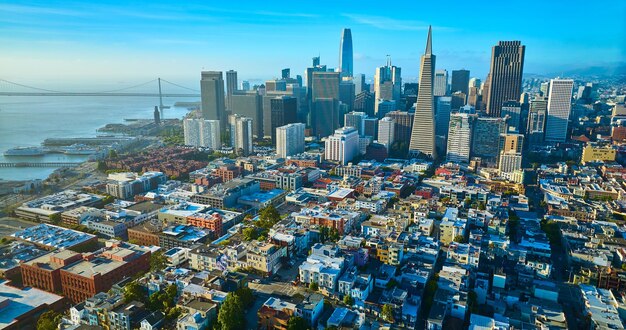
x: 388, y: 60
x: 429, y: 42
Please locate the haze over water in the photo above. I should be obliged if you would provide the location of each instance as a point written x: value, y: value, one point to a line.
x: 29, y: 120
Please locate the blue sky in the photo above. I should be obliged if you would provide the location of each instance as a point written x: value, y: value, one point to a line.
x: 132, y: 41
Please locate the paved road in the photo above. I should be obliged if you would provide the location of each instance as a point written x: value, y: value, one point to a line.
x: 9, y: 225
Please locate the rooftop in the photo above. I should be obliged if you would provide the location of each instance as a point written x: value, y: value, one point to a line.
x: 53, y: 236
x: 21, y: 302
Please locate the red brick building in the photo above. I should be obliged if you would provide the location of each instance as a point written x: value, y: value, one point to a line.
x: 45, y: 272
x: 212, y: 222
x: 98, y: 273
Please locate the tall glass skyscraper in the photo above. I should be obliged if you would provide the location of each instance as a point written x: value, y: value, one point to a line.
x: 345, y: 54
x: 423, y: 134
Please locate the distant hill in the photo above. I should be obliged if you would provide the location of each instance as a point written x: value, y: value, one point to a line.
x: 608, y: 70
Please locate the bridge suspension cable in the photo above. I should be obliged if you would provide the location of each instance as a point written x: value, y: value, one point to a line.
x: 177, y: 85
x: 96, y: 92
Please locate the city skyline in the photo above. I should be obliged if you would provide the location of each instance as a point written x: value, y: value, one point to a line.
x: 129, y: 42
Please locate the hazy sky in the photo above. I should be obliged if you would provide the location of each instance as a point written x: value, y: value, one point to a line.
x: 124, y: 42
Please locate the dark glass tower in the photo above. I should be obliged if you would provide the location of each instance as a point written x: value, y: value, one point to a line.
x: 505, y: 76
x: 345, y: 54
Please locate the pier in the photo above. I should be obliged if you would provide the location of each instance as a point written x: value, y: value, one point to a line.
x: 44, y: 164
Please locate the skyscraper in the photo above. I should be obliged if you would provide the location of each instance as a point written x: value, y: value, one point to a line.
x: 325, y: 116
x: 249, y: 104
x: 285, y: 73
x: 505, y: 75
x: 345, y: 53
x: 290, y: 140
x: 404, y: 123
x: 443, y: 108
x: 325, y: 85
x: 231, y: 87
x: 559, y: 109
x: 356, y: 120
x: 245, y: 85
x: 423, y: 135
x: 459, y: 138
x: 386, y: 131
x: 202, y: 133
x: 212, y: 95
x: 387, y: 84
x: 487, y: 131
x: 342, y: 146
x: 441, y: 83
x: 537, y: 120
x: 284, y: 111
x: 460, y: 81
x: 371, y: 127
x: 512, y: 110
x: 241, y: 130
x: 364, y: 102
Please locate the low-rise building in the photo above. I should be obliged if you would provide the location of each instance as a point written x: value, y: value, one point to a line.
x: 184, y: 236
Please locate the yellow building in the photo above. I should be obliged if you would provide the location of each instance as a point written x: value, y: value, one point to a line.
x: 390, y: 254
x: 593, y: 153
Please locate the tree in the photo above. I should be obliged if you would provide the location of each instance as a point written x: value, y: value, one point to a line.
x: 268, y: 217
x: 391, y: 283
x: 250, y: 233
x: 158, y: 261
x: 333, y: 235
x: 246, y: 296
x: 55, y: 218
x: 472, y: 301
x: 230, y: 315
x: 112, y: 154
x: 296, y: 323
x: 348, y: 300
x: 314, y: 286
x: 459, y: 239
x: 133, y: 291
x: 49, y: 321
x: 387, y: 313
x: 102, y: 166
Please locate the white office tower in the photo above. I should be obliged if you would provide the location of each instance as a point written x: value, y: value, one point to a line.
x: 241, y: 131
x: 289, y: 140
x: 459, y: 138
x: 441, y: 83
x: 510, y: 162
x: 423, y: 132
x: 559, y: 109
x: 202, y: 133
x: 342, y: 146
x: 386, y: 131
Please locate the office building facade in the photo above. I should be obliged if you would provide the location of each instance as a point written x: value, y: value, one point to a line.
x: 504, y: 82
x: 559, y: 109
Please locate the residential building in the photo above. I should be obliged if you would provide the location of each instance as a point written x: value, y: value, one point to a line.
x: 202, y: 133
x: 290, y: 140
x: 343, y: 145
x: 459, y: 138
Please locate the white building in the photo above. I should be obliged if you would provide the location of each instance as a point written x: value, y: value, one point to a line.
x: 386, y: 131
x: 202, y: 133
x: 510, y: 162
x: 343, y: 145
x: 324, y: 266
x: 559, y: 109
x: 290, y: 140
x: 459, y: 138
x: 440, y: 87
x: 241, y: 134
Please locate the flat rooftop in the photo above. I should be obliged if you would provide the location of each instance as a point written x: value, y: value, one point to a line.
x: 21, y: 302
x: 53, y: 236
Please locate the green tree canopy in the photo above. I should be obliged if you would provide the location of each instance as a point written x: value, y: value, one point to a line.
x: 314, y: 286
x: 387, y: 313
x: 230, y: 316
x: 49, y: 321
x: 297, y: 323
x: 158, y: 261
x: 246, y: 296
x: 348, y: 300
